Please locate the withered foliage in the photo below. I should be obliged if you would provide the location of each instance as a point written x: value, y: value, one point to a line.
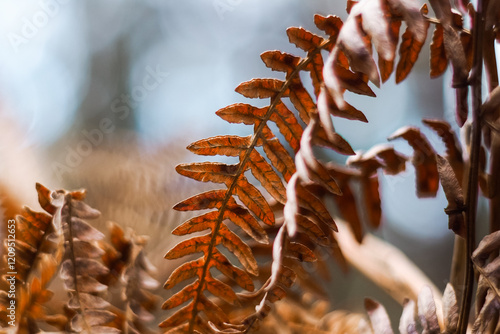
x: 486, y: 261
x: 130, y: 271
x: 299, y: 181
x: 38, y: 251
x: 59, y: 244
x: 269, y: 216
x: 426, y: 319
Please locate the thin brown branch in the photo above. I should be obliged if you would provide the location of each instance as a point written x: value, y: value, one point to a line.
x: 472, y: 188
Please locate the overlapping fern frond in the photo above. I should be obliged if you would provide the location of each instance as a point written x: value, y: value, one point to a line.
x: 242, y: 203
x: 130, y: 271
x: 81, y: 266
x: 307, y: 178
x: 59, y: 243
x: 35, y: 253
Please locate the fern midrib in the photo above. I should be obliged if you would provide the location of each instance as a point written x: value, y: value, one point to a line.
x: 67, y: 199
x: 241, y: 169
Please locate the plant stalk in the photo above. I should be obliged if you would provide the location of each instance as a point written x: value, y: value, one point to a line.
x: 491, y: 68
x: 475, y: 81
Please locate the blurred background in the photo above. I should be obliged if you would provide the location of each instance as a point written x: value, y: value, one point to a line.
x: 106, y: 95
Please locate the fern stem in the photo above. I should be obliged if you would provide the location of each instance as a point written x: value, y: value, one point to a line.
x: 472, y: 189
x: 491, y: 68
x: 241, y: 169
x: 67, y: 201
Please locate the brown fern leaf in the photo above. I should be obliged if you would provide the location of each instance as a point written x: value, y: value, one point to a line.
x: 131, y: 271
x: 431, y: 168
x: 412, y: 42
x: 383, y: 157
x: 309, y: 235
x: 453, y: 147
x: 34, y: 258
x: 346, y: 203
x: 308, y: 42
x: 424, y: 160
x: 117, y: 254
x: 451, y: 25
x: 305, y: 211
x: 485, y: 259
x: 439, y: 61
x: 269, y: 168
x: 426, y: 310
x: 363, y: 171
x: 454, y: 195
x: 378, y: 23
x: 80, y: 266
x: 453, y: 47
x: 285, y: 269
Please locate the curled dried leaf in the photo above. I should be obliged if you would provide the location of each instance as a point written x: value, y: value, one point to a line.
x: 449, y: 138
x: 424, y: 160
x: 331, y: 25
x: 427, y: 311
x: 454, y: 195
x: 357, y: 46
x: 409, y: 50
x: 450, y: 309
x: 439, y: 60
x: 407, y: 324
x: 378, y: 317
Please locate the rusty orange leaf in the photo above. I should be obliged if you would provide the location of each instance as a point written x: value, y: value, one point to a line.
x: 424, y: 160
x: 304, y: 39
x: 409, y: 51
x: 260, y: 88
x: 242, y: 113
x: 267, y: 177
x: 331, y: 25
x: 280, y: 61
x: 221, y: 145
x: 439, y: 60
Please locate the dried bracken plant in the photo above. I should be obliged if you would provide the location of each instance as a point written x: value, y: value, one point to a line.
x: 272, y: 214
x: 60, y: 244
x: 80, y: 266
x: 428, y: 318
x: 486, y: 261
x: 130, y: 271
x: 254, y: 207
x: 350, y: 66
x: 35, y: 253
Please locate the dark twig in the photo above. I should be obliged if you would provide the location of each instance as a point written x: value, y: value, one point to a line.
x: 472, y: 188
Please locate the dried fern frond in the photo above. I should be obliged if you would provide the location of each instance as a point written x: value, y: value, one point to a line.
x: 301, y: 200
x: 30, y: 262
x: 130, y: 271
x: 486, y: 261
x: 80, y: 267
x: 350, y: 66
x: 135, y: 190
x: 253, y: 206
x: 428, y: 314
